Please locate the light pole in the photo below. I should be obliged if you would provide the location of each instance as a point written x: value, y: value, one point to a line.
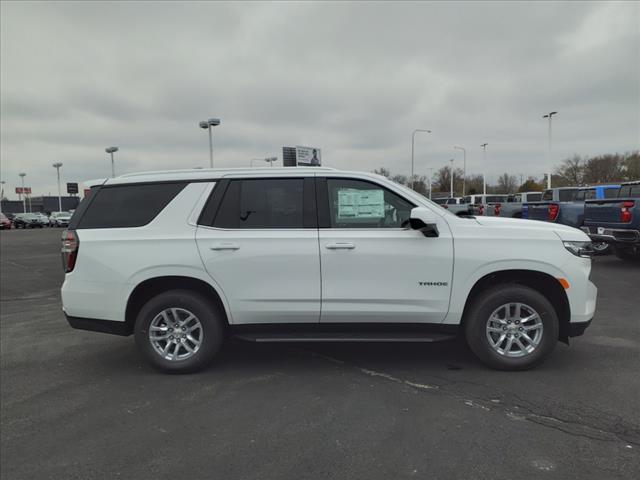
x: 207, y: 124
x: 1, y: 194
x: 484, y: 167
x: 57, y: 166
x: 112, y: 150
x: 24, y: 203
x: 464, y: 168
x: 549, y: 115
x: 430, y: 180
x: 413, y: 141
x: 268, y: 159
x: 451, y: 196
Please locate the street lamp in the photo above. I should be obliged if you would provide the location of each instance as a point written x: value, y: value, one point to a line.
x: 451, y: 196
x: 24, y: 203
x: 112, y: 150
x: 57, y: 166
x: 1, y: 194
x: 268, y: 159
x: 413, y: 141
x: 207, y: 124
x: 484, y: 167
x: 549, y: 115
x: 430, y: 180
x: 464, y: 167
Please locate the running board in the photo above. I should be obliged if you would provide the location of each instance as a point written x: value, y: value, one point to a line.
x: 345, y: 337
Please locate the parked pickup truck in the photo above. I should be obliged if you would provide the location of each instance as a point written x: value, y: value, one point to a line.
x: 478, y: 204
x: 565, y: 205
x: 616, y: 221
x: 512, y: 207
x: 455, y: 205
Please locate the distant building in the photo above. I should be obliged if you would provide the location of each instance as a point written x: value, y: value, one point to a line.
x: 40, y: 204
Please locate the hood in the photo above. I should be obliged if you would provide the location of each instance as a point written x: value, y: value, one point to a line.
x: 563, y: 231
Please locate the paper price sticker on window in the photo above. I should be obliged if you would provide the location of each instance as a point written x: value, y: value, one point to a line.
x: 354, y: 203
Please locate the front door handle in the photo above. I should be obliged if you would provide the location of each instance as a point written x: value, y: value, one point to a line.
x: 224, y: 246
x: 340, y: 246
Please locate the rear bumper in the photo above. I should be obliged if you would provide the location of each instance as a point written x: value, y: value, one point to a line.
x: 612, y: 235
x: 96, y: 325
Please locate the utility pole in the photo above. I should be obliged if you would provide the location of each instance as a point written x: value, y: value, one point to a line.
x: 484, y: 167
x: 24, y: 203
x: 549, y: 115
x: 57, y: 166
x: 413, y: 141
x: 464, y: 168
x: 451, y: 196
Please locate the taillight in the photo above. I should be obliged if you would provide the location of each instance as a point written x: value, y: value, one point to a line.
x: 625, y: 211
x: 70, y: 244
x: 496, y: 209
x: 481, y: 210
x: 552, y: 212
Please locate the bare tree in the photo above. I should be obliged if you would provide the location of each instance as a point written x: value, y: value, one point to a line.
x: 385, y: 172
x: 631, y: 165
x: 507, y: 183
x: 603, y: 168
x: 570, y: 171
x: 531, y: 185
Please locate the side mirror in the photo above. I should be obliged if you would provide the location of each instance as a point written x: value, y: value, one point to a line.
x: 424, y: 220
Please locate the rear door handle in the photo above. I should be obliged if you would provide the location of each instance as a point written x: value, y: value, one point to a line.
x: 340, y: 246
x: 225, y: 246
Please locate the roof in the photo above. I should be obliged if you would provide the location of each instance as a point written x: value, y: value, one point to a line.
x: 199, y: 174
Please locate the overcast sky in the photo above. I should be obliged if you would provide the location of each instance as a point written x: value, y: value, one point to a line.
x: 352, y: 79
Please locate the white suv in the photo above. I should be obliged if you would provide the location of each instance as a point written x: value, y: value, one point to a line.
x: 184, y: 259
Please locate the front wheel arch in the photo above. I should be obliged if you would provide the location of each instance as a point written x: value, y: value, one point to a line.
x: 542, y: 282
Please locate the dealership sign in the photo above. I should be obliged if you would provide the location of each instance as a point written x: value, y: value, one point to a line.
x: 72, y: 188
x: 23, y: 190
x: 308, y: 156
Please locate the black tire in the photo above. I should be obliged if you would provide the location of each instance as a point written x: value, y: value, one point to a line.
x: 213, y: 326
x: 630, y: 253
x: 601, y: 248
x: 490, y: 300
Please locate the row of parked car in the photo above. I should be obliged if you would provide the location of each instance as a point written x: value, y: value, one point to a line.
x: 609, y: 214
x: 34, y: 220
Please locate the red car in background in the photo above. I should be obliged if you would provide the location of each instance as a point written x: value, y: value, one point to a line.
x: 5, y: 223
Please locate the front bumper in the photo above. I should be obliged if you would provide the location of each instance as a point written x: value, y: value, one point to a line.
x: 612, y: 235
x: 577, y: 329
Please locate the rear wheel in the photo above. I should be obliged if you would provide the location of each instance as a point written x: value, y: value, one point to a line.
x: 179, y: 331
x: 512, y: 327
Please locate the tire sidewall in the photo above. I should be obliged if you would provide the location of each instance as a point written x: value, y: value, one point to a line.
x: 208, y: 315
x: 483, y: 308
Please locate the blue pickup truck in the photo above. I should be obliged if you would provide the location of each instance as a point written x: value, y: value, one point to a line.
x: 565, y: 205
x: 616, y: 221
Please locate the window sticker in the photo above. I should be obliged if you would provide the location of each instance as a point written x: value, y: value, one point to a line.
x: 354, y: 203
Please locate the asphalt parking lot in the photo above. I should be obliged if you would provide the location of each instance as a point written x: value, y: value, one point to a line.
x: 85, y: 405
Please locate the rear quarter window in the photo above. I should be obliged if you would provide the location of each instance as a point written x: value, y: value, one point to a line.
x: 123, y: 206
x: 567, y: 195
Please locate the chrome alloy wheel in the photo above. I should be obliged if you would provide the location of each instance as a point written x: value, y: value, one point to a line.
x: 176, y: 334
x: 514, y: 330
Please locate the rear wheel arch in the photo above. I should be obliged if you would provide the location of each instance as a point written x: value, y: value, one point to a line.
x: 152, y: 287
x: 542, y: 282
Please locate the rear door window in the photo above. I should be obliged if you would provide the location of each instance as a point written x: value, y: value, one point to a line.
x: 122, y: 206
x: 611, y: 193
x: 262, y: 203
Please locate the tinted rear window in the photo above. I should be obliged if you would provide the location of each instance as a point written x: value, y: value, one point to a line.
x: 126, y: 205
x: 547, y: 195
x: 534, y: 197
x: 567, y: 195
x: 262, y: 203
x: 611, y: 192
x: 629, y: 191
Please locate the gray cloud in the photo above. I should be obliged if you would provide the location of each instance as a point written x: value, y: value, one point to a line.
x: 352, y: 78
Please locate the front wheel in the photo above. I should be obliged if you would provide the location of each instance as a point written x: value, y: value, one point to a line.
x: 179, y: 331
x: 512, y: 327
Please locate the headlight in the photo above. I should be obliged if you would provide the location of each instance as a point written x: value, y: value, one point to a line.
x: 579, y: 249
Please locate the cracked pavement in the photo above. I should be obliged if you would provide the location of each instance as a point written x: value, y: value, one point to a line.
x: 82, y: 405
